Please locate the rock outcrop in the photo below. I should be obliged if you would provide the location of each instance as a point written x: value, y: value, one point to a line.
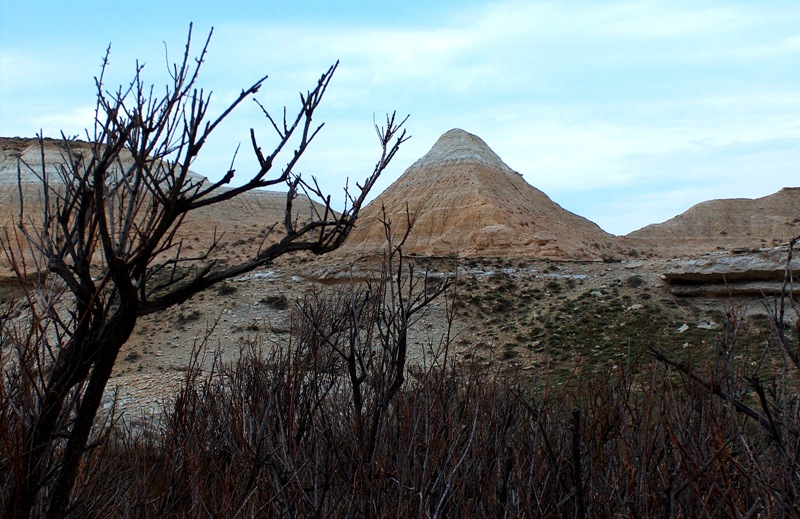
x: 241, y: 222
x: 724, y: 274
x: 462, y: 199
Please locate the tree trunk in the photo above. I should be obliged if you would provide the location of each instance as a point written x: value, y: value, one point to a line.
x: 92, y: 398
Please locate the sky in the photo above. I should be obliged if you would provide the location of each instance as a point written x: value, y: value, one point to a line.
x: 626, y: 113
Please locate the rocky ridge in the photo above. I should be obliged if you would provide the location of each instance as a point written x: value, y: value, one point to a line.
x: 242, y: 222
x: 463, y: 200
x: 725, y: 225
x: 515, y: 305
x: 732, y: 273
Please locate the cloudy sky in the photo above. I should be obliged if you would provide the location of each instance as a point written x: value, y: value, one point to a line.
x: 626, y: 113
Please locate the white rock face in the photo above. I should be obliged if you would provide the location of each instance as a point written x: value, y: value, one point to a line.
x: 21, y: 159
x: 457, y: 146
x: 723, y: 268
x: 726, y: 274
x: 26, y: 160
x: 239, y: 224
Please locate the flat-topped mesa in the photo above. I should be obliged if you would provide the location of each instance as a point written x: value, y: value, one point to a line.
x: 459, y: 147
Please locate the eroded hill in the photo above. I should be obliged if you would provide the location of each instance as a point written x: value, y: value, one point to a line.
x: 464, y: 200
x: 725, y: 225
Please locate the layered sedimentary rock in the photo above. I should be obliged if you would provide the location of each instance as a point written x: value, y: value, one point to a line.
x: 462, y: 199
x: 723, y: 274
x: 241, y: 221
x: 725, y: 224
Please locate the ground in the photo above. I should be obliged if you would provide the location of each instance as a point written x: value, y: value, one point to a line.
x: 548, y: 320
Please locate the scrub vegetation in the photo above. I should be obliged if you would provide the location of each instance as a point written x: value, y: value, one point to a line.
x: 585, y: 403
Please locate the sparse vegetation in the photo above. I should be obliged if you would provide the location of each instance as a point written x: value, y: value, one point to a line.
x: 109, y: 238
x: 598, y: 379
x: 635, y: 281
x: 276, y: 302
x: 225, y: 289
x: 132, y: 356
x: 267, y: 434
x: 565, y: 401
x: 182, y: 318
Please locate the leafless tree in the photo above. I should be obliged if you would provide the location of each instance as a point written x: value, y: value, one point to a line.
x: 367, y: 329
x: 110, y: 244
x: 763, y: 394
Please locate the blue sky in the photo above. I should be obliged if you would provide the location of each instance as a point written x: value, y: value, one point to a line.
x: 626, y: 113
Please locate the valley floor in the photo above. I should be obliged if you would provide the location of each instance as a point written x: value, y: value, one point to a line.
x: 547, y: 320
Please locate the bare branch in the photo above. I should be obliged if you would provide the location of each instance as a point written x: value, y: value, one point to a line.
x: 111, y: 236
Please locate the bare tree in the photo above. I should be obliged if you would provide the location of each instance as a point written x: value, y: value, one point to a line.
x: 109, y: 241
x: 759, y: 391
x: 367, y: 328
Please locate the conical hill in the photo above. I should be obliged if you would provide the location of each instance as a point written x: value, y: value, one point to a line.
x: 464, y: 200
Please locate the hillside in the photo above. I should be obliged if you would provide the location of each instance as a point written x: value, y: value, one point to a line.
x: 464, y: 200
x: 725, y: 224
x: 242, y: 221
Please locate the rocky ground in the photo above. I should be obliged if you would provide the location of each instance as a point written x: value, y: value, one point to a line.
x: 598, y: 301
x: 546, y: 319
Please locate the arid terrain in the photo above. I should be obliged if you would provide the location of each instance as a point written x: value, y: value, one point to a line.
x: 534, y: 287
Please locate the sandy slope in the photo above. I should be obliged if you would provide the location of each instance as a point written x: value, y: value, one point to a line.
x: 464, y: 200
x: 725, y: 224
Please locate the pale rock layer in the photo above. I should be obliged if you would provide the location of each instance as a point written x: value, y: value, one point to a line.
x: 724, y: 225
x: 239, y: 224
x: 463, y: 200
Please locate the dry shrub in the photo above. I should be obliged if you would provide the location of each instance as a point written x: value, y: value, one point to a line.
x: 280, y: 432
x: 276, y: 434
